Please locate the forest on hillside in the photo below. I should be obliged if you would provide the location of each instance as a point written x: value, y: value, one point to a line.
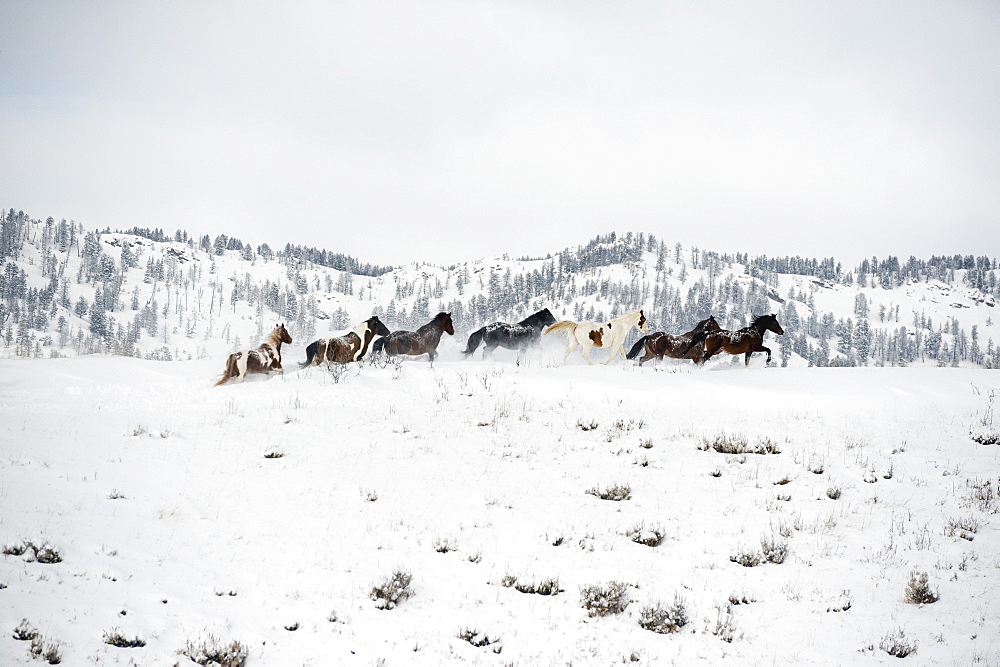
x: 65, y: 289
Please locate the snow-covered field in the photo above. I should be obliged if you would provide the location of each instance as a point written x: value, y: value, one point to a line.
x: 265, y: 513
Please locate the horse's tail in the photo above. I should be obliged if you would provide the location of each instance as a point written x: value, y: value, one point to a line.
x: 561, y: 326
x: 637, y: 348
x: 230, y: 371
x: 697, y: 338
x: 474, y: 340
x: 310, y: 353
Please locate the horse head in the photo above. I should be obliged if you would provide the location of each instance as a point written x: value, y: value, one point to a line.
x: 642, y: 323
x: 545, y: 317
x: 375, y: 326
x: 772, y: 324
x: 283, y: 334
x: 709, y: 325
x: 444, y: 319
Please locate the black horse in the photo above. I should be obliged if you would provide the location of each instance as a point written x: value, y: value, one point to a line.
x: 511, y: 336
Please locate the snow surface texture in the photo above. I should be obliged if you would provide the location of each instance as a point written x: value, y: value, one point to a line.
x: 266, y: 512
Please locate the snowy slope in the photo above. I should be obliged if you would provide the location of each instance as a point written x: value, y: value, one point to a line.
x: 266, y: 512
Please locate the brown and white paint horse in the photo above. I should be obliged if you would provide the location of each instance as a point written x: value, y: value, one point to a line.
x: 264, y: 359
x: 347, y: 348
x: 423, y: 340
x: 596, y: 334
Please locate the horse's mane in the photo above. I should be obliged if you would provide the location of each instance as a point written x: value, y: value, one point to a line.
x: 757, y: 319
x: 438, y: 321
x: 537, y: 317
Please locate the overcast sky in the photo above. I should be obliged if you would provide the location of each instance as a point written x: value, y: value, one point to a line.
x: 446, y: 131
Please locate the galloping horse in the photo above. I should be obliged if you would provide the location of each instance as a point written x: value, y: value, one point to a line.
x: 595, y: 334
x: 347, y: 348
x: 511, y: 336
x: 744, y: 341
x: 423, y: 340
x: 660, y: 344
x: 264, y: 359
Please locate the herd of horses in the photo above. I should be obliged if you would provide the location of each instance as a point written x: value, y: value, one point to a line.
x: 699, y: 345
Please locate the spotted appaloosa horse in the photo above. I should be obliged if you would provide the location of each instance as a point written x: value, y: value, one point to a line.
x: 743, y: 341
x: 595, y: 334
x: 422, y: 341
x: 264, y: 359
x: 518, y: 336
x: 659, y: 344
x: 347, y: 348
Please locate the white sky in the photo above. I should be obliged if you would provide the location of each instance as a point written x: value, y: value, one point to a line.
x: 445, y: 131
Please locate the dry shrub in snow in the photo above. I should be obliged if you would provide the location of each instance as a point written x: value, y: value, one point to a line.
x: 746, y: 558
x: 44, y: 553
x: 116, y: 638
x: 964, y: 528
x: 393, y: 589
x: 725, y: 625
x: 480, y: 640
x: 616, y: 492
x: 443, y: 545
x: 42, y: 651
x: 25, y: 631
x: 982, y: 495
x: 737, y: 444
x: 918, y: 590
x: 833, y: 493
x: 211, y: 652
x: 544, y: 587
x: 897, y: 644
x: 774, y: 550
x: 601, y: 600
x: 985, y: 436
x: 664, y: 619
x: 651, y: 536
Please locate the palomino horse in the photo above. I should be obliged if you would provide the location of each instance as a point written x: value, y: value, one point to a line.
x: 511, y: 336
x: 659, y: 344
x: 423, y: 340
x: 744, y: 341
x: 346, y: 348
x: 264, y: 359
x: 595, y: 334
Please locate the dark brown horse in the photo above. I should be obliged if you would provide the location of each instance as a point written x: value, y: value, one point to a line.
x: 264, y: 359
x: 422, y: 341
x: 744, y: 341
x: 347, y: 348
x: 659, y: 344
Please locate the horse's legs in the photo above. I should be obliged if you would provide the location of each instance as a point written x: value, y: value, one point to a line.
x: 747, y: 356
x: 618, y: 350
x: 768, y: 350
x: 569, y: 348
x: 585, y: 348
x: 488, y: 350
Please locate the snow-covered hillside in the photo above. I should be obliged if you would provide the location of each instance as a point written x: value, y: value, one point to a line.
x: 185, y: 517
x: 65, y: 291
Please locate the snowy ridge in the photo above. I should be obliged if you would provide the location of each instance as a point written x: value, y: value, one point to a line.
x: 76, y: 292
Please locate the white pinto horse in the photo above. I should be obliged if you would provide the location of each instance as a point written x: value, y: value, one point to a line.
x: 596, y: 334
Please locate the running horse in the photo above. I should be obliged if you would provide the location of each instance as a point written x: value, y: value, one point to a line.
x: 660, y: 344
x: 347, y: 348
x: 596, y: 334
x: 743, y: 341
x: 518, y: 336
x: 422, y: 341
x: 264, y: 359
